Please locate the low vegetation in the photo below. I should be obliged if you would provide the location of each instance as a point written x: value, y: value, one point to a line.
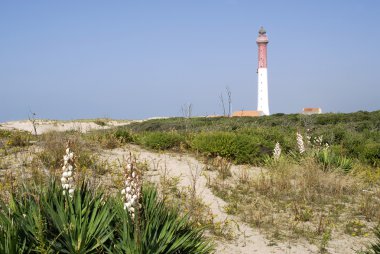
x: 249, y: 140
x: 41, y: 219
x: 40, y: 215
x: 292, y: 200
x: 328, y: 187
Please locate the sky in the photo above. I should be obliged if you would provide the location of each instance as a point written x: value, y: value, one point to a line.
x: 138, y: 59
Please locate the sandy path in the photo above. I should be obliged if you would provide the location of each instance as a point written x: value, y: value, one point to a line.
x: 247, y: 240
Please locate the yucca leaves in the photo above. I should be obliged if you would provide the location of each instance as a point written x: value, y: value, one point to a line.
x: 162, y: 230
x: 54, y: 223
x: 9, y: 237
x: 43, y: 220
x: 83, y: 222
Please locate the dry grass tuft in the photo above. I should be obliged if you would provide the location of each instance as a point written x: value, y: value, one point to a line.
x: 292, y: 200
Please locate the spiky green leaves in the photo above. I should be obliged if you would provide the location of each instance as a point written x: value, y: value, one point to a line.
x: 42, y: 220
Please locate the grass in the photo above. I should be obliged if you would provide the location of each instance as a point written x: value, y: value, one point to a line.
x: 301, y: 199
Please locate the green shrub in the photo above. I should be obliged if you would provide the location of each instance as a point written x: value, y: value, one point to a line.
x: 104, y: 138
x: 241, y: 148
x: 161, y: 140
x: 18, y: 139
x: 123, y: 135
x: 371, y: 154
x: 100, y: 122
x: 5, y: 133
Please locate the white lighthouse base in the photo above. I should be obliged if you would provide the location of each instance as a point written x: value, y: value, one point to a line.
x: 262, y: 100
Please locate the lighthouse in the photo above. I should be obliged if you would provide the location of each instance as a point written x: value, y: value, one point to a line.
x: 262, y: 98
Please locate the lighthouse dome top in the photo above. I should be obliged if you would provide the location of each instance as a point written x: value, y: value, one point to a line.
x: 262, y: 31
x: 262, y: 36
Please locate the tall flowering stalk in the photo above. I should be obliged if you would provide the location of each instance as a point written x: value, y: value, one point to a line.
x: 277, y: 151
x: 132, y: 189
x: 300, y: 144
x: 68, y: 169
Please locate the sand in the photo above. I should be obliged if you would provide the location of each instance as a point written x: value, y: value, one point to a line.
x: 43, y: 126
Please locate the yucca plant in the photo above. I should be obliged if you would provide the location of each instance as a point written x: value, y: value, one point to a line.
x: 52, y: 222
x: 344, y: 163
x: 41, y: 219
x: 329, y: 161
x: 161, y: 229
x: 24, y: 213
x: 10, y: 242
x: 81, y: 222
x: 59, y: 218
x: 326, y: 159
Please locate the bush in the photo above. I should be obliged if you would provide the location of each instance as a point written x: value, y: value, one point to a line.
x: 123, y: 136
x: 43, y: 220
x: 241, y: 148
x: 17, y: 138
x: 100, y: 122
x: 161, y: 140
x: 371, y: 154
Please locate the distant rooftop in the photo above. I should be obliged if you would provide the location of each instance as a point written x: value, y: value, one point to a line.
x: 309, y: 111
x: 252, y: 113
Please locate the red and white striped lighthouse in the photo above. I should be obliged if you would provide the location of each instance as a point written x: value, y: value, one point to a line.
x: 262, y: 100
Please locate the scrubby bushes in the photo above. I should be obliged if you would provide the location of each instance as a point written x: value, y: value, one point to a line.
x: 161, y: 140
x: 42, y: 220
x: 241, y: 148
x: 354, y: 136
x: 371, y: 154
x: 15, y: 138
x: 123, y: 135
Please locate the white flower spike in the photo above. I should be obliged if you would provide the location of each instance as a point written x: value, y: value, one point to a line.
x: 132, y: 190
x: 68, y: 169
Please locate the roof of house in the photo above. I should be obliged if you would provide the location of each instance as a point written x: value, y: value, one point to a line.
x: 311, y: 109
x: 246, y: 113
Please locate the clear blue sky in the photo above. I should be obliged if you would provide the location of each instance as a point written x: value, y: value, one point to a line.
x: 138, y: 59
